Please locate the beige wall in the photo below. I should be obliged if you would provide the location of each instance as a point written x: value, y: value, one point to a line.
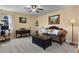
x: 66, y: 15
x: 78, y: 27
x: 15, y: 20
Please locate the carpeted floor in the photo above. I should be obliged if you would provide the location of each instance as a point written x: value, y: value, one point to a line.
x: 25, y: 45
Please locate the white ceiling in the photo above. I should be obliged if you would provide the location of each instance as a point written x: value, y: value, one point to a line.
x: 20, y: 9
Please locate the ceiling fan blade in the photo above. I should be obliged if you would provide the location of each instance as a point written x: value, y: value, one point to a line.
x: 37, y: 11
x: 26, y: 8
x: 30, y: 10
x: 40, y: 9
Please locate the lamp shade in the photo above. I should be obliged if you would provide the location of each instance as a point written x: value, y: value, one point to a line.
x: 72, y: 21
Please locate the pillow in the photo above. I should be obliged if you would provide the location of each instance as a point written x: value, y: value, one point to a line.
x: 49, y: 31
x: 55, y: 32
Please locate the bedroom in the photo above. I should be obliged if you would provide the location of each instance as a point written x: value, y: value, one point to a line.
x: 41, y: 18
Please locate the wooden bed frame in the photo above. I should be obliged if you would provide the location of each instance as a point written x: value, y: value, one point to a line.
x: 62, y: 36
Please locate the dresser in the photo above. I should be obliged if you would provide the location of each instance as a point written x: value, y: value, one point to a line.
x: 22, y: 33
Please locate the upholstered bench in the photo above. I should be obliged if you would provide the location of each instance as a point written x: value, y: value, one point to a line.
x: 42, y: 41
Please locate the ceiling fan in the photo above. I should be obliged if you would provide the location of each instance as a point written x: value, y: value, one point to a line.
x: 34, y: 8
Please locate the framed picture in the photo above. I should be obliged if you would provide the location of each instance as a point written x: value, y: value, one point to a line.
x: 22, y: 20
x: 55, y: 19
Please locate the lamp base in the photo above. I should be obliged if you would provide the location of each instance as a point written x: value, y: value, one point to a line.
x: 72, y: 44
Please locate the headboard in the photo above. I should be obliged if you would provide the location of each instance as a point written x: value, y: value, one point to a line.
x: 55, y: 27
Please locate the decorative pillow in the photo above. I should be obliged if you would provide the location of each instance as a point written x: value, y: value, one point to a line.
x: 49, y: 31
x: 55, y: 32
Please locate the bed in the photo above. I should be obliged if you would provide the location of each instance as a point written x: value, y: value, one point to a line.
x: 60, y: 37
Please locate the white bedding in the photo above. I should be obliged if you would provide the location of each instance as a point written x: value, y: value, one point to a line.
x: 49, y: 31
x: 55, y: 32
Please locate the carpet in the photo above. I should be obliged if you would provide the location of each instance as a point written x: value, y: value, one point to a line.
x: 25, y: 45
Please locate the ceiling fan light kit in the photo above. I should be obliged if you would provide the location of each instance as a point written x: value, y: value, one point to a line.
x: 34, y: 8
